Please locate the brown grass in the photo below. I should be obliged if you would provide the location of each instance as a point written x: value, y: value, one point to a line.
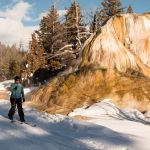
x: 88, y: 86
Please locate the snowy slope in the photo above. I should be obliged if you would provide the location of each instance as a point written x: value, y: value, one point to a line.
x: 57, y: 132
x: 106, y: 130
x: 130, y: 122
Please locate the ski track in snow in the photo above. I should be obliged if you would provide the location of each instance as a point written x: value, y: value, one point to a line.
x: 123, y: 130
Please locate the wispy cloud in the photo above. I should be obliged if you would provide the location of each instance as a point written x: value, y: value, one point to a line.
x: 61, y: 13
x: 12, y: 18
x: 12, y: 29
x: 18, y: 12
x: 42, y: 15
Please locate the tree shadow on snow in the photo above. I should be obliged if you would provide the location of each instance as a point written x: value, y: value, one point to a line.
x: 122, y: 115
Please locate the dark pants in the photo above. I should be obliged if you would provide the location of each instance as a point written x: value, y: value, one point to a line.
x: 15, y: 102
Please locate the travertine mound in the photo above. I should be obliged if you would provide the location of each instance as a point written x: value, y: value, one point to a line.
x: 114, y: 64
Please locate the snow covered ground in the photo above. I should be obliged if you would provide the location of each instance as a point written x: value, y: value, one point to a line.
x: 128, y: 122
x: 108, y: 128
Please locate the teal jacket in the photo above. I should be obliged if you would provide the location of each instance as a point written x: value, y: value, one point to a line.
x: 17, y: 91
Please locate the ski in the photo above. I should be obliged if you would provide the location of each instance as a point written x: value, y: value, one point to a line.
x: 27, y: 123
x: 18, y: 121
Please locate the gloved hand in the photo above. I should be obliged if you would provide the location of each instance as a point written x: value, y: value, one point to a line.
x: 23, y: 99
x: 15, y: 88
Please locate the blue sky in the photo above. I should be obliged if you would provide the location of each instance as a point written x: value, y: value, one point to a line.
x: 25, y: 15
x: 41, y: 6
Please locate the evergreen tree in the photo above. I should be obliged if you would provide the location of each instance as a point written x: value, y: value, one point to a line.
x: 130, y: 10
x: 11, y: 60
x: 35, y: 56
x: 109, y: 9
x: 51, y: 31
x: 93, y: 26
x: 96, y: 22
x: 15, y: 68
x: 75, y: 29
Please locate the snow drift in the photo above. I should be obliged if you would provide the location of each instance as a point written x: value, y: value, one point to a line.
x: 114, y: 64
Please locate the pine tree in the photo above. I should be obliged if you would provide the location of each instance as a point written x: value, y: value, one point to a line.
x: 93, y: 26
x: 75, y: 30
x: 35, y: 56
x: 51, y: 31
x: 15, y: 68
x: 130, y: 10
x: 11, y: 60
x: 96, y: 22
x: 109, y: 9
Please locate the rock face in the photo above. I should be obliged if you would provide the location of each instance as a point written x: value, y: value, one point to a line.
x: 118, y: 41
x: 114, y: 63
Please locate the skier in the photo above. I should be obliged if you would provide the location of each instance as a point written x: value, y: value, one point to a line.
x: 16, y: 98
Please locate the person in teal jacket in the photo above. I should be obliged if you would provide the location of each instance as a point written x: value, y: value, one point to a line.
x: 16, y: 98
